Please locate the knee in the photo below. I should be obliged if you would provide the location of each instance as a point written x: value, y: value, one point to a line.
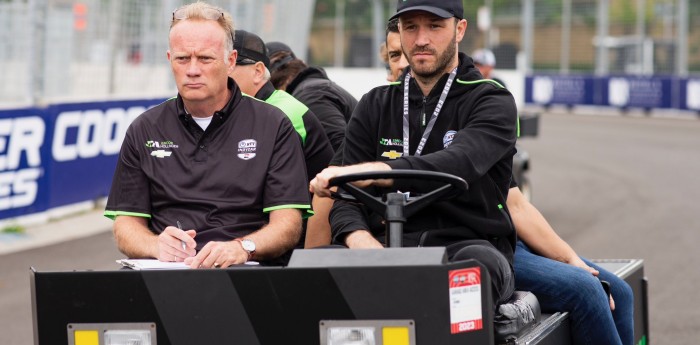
x: 499, y: 268
x: 622, y: 294
x: 494, y: 261
x: 579, y: 288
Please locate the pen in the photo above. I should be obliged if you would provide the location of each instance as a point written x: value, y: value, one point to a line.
x: 184, y: 246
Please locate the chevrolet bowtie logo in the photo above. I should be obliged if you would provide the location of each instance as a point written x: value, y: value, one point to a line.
x: 392, y: 154
x: 161, y: 153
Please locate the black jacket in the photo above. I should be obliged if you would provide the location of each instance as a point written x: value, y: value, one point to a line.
x: 332, y: 104
x: 473, y: 138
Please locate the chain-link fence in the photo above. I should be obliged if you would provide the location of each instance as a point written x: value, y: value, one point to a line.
x: 589, y: 36
x: 57, y: 50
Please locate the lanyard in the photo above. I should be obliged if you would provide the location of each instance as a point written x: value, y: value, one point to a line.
x: 433, y: 118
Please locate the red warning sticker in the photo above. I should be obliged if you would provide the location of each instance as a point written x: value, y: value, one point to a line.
x: 465, y: 300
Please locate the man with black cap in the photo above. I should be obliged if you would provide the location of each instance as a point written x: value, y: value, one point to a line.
x: 252, y: 75
x: 332, y: 104
x: 441, y: 116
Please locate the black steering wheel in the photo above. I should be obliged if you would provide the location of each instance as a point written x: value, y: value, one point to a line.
x: 396, y: 206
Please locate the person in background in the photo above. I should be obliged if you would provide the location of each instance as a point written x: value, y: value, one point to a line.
x: 253, y: 76
x: 331, y: 103
x: 547, y: 266
x: 210, y: 177
x: 395, y: 57
x: 471, y: 135
x: 485, y: 61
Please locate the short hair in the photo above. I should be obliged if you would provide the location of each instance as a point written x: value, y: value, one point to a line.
x: 201, y: 10
x: 392, y: 26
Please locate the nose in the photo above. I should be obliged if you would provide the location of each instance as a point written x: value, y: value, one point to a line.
x: 422, y: 37
x: 193, y: 69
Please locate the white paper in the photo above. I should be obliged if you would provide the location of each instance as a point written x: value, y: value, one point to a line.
x: 151, y: 264
x: 154, y: 264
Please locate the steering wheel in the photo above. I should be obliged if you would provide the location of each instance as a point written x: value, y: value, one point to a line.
x: 396, y: 206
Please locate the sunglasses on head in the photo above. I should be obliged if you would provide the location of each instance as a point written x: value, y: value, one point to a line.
x: 208, y: 13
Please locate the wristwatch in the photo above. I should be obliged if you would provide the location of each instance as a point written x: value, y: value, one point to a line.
x: 248, y: 245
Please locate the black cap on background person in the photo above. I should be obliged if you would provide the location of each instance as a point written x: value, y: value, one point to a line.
x: 251, y: 49
x: 276, y: 50
x: 440, y: 8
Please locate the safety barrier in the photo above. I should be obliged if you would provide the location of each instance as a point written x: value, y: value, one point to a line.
x: 622, y: 92
x: 61, y: 154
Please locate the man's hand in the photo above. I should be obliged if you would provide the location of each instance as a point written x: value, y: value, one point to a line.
x: 170, y: 243
x: 218, y: 255
x: 319, y: 185
x: 362, y: 239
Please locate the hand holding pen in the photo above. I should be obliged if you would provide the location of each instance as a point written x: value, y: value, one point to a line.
x: 176, y: 244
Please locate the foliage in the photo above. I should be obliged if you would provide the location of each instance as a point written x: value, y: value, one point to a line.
x: 13, y: 229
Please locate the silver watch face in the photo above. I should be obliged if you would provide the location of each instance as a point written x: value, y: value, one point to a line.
x: 248, y: 245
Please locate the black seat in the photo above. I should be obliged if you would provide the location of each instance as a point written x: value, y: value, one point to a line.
x: 516, y: 316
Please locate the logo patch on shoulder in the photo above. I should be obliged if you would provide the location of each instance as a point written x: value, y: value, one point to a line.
x: 246, y: 149
x: 447, y: 139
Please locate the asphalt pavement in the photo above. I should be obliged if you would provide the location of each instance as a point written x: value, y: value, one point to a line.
x: 612, y: 186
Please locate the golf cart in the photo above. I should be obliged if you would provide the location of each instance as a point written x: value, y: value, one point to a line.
x: 391, y: 296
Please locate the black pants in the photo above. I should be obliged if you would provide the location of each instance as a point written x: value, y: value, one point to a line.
x: 500, y: 270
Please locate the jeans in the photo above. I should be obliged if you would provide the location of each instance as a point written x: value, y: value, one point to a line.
x: 562, y: 287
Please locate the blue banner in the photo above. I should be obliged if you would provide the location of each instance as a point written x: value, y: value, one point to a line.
x: 62, y: 154
x: 646, y: 92
x: 690, y: 94
x: 559, y: 89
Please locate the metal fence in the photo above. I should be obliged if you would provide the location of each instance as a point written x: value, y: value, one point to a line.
x: 641, y: 37
x: 63, y: 50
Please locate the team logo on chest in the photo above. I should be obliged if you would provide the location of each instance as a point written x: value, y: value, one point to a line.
x: 246, y: 149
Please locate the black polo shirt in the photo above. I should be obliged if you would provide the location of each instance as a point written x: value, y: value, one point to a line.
x: 222, y: 182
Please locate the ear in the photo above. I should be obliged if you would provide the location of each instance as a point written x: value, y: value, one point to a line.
x: 259, y: 77
x: 461, y: 30
x: 167, y: 54
x: 232, y: 60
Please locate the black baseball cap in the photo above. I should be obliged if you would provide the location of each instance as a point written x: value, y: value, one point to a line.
x: 274, y: 47
x: 440, y: 8
x: 251, y: 48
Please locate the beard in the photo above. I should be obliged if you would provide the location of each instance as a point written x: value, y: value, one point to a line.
x: 427, y: 71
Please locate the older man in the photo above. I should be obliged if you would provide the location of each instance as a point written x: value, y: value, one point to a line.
x: 210, y: 177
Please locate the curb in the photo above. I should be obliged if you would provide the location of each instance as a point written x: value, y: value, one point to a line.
x: 56, y: 231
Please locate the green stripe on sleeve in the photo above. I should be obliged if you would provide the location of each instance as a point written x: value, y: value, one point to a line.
x: 497, y: 84
x: 113, y: 214
x: 309, y: 212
